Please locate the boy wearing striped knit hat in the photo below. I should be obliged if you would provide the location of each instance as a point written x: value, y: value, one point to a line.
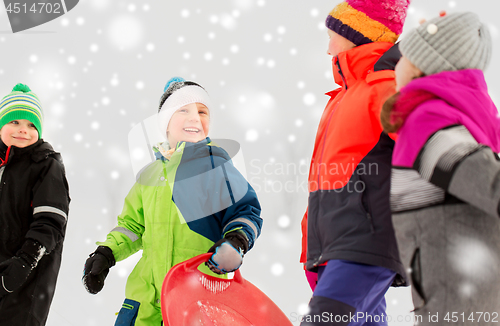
x: 349, y: 247
x: 34, y: 208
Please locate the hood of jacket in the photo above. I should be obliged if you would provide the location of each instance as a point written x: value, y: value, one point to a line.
x: 441, y: 100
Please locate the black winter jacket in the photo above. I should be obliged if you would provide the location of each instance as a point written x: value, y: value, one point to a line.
x: 34, y: 204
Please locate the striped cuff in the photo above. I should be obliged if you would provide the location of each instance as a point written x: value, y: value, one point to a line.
x: 129, y: 234
x: 240, y: 221
x: 49, y: 209
x: 442, y: 153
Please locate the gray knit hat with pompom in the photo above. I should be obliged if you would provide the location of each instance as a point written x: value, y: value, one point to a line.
x: 451, y: 42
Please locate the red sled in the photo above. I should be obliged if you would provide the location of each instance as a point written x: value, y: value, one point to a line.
x: 192, y: 298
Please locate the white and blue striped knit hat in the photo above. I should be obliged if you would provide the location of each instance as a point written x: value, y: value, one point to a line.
x: 21, y: 103
x: 177, y: 93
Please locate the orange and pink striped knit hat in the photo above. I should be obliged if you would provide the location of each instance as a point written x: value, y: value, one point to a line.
x: 366, y: 21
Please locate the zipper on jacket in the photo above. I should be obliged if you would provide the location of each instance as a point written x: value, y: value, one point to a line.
x: 2, y: 170
x: 367, y: 210
x: 3, y: 165
x: 368, y: 215
x: 4, y: 162
x: 316, y: 263
x: 340, y: 72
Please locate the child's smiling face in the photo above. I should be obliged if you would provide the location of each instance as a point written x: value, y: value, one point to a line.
x: 20, y: 133
x: 190, y: 123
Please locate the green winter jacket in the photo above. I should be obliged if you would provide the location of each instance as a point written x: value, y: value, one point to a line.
x: 178, y: 209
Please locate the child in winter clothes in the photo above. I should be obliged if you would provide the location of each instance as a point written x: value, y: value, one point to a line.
x: 445, y: 184
x: 347, y: 230
x: 34, y: 207
x: 190, y: 200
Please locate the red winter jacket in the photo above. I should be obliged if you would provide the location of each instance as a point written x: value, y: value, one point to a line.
x: 348, y: 215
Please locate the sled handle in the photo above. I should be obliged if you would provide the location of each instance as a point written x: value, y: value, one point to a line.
x: 192, y: 264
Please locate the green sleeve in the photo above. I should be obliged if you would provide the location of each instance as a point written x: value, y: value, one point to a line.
x: 126, y: 238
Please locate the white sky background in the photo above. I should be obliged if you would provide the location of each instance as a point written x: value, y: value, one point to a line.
x: 101, y: 68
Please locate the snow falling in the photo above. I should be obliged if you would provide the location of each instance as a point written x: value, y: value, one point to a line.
x: 474, y: 261
x: 99, y: 72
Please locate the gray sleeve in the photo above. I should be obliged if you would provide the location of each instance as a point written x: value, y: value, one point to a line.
x: 477, y: 181
x: 454, y: 161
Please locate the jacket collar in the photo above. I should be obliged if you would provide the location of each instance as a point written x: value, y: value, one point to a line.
x: 354, y: 64
x: 163, y: 153
x: 19, y: 150
x: 201, y: 143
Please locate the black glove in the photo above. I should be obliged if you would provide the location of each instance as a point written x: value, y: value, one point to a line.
x: 15, y: 271
x: 97, y: 268
x: 228, y: 253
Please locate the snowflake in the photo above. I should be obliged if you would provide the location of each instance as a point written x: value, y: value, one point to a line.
x: 251, y: 135
x: 309, y: 99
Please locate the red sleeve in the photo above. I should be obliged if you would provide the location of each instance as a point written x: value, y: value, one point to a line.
x: 303, y: 224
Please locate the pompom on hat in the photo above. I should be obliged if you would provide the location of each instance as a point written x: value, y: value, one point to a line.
x: 177, y: 93
x: 447, y: 43
x: 22, y: 103
x: 367, y: 21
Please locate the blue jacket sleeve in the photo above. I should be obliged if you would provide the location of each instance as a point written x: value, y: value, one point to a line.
x: 212, y: 195
x: 244, y: 212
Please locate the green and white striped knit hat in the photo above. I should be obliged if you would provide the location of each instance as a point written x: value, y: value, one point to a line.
x: 21, y: 103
